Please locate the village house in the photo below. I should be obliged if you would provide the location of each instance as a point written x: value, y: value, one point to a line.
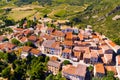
x: 59, y: 35
x: 66, y: 53
x: 74, y: 73
x: 86, y: 58
x: 69, y: 36
x: 28, y: 32
x: 51, y: 47
x: 118, y: 60
x: 1, y: 39
x: 55, y: 49
x: 75, y: 30
x: 32, y: 38
x: 99, y: 70
x: 81, y: 37
x: 83, y: 50
x: 50, y: 30
x: 111, y: 68
x: 100, y: 52
x: 107, y: 59
x: 35, y: 52
x: 75, y: 38
x: 76, y: 56
x: 23, y: 39
x: 18, y: 29
x: 7, y: 47
x: 66, y: 29
x: 118, y: 71
x: 53, y: 66
x: 46, y: 46
x: 25, y: 51
x: 68, y: 44
x: 47, y: 36
x: 93, y: 57
x: 53, y: 58
x: 39, y: 42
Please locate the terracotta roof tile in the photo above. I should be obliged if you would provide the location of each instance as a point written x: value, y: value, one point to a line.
x: 68, y: 43
x: 58, y: 33
x: 69, y: 35
x: 99, y: 68
x: 112, y: 43
x: 86, y: 55
x: 111, y: 68
x: 55, y: 45
x: 18, y: 29
x: 80, y: 36
x: 35, y: 51
x: 26, y: 48
x: 32, y: 38
x: 54, y: 64
x: 66, y: 50
x: 48, y: 43
x: 1, y: 38
x: 48, y: 37
x: 93, y: 54
x: 77, y: 54
x: 53, y: 58
x: 23, y: 39
x: 80, y: 70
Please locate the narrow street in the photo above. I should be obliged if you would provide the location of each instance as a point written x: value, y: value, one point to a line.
x: 62, y: 59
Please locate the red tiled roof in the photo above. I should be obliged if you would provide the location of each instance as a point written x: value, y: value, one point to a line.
x: 112, y: 43
x: 26, y: 48
x: 58, y: 33
x: 35, y: 51
x: 80, y: 36
x: 55, y: 45
x: 18, y: 29
x: 93, y: 54
x: 32, y: 38
x: 111, y: 68
x: 69, y: 35
x: 66, y: 50
x: 68, y: 43
x: 99, y: 67
x: 53, y: 58
x: 77, y: 54
x: 80, y: 70
x: 54, y: 64
x: 86, y: 55
x: 23, y: 39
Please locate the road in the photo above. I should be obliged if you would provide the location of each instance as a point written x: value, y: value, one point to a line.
x: 62, y: 59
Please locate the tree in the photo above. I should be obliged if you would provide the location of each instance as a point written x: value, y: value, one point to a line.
x: 6, y: 72
x: 15, y: 41
x: 46, y: 59
x: 9, y: 57
x: 29, y: 43
x: 8, y: 22
x: 19, y: 73
x: 45, y: 16
x: 50, y: 77
x: 65, y: 62
x: 90, y: 68
x: 3, y: 65
x: 110, y: 76
x: 37, y: 71
x: 22, y: 21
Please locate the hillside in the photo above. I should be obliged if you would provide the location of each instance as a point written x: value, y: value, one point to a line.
x: 98, y: 13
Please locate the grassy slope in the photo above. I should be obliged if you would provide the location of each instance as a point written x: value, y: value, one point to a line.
x: 107, y: 26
